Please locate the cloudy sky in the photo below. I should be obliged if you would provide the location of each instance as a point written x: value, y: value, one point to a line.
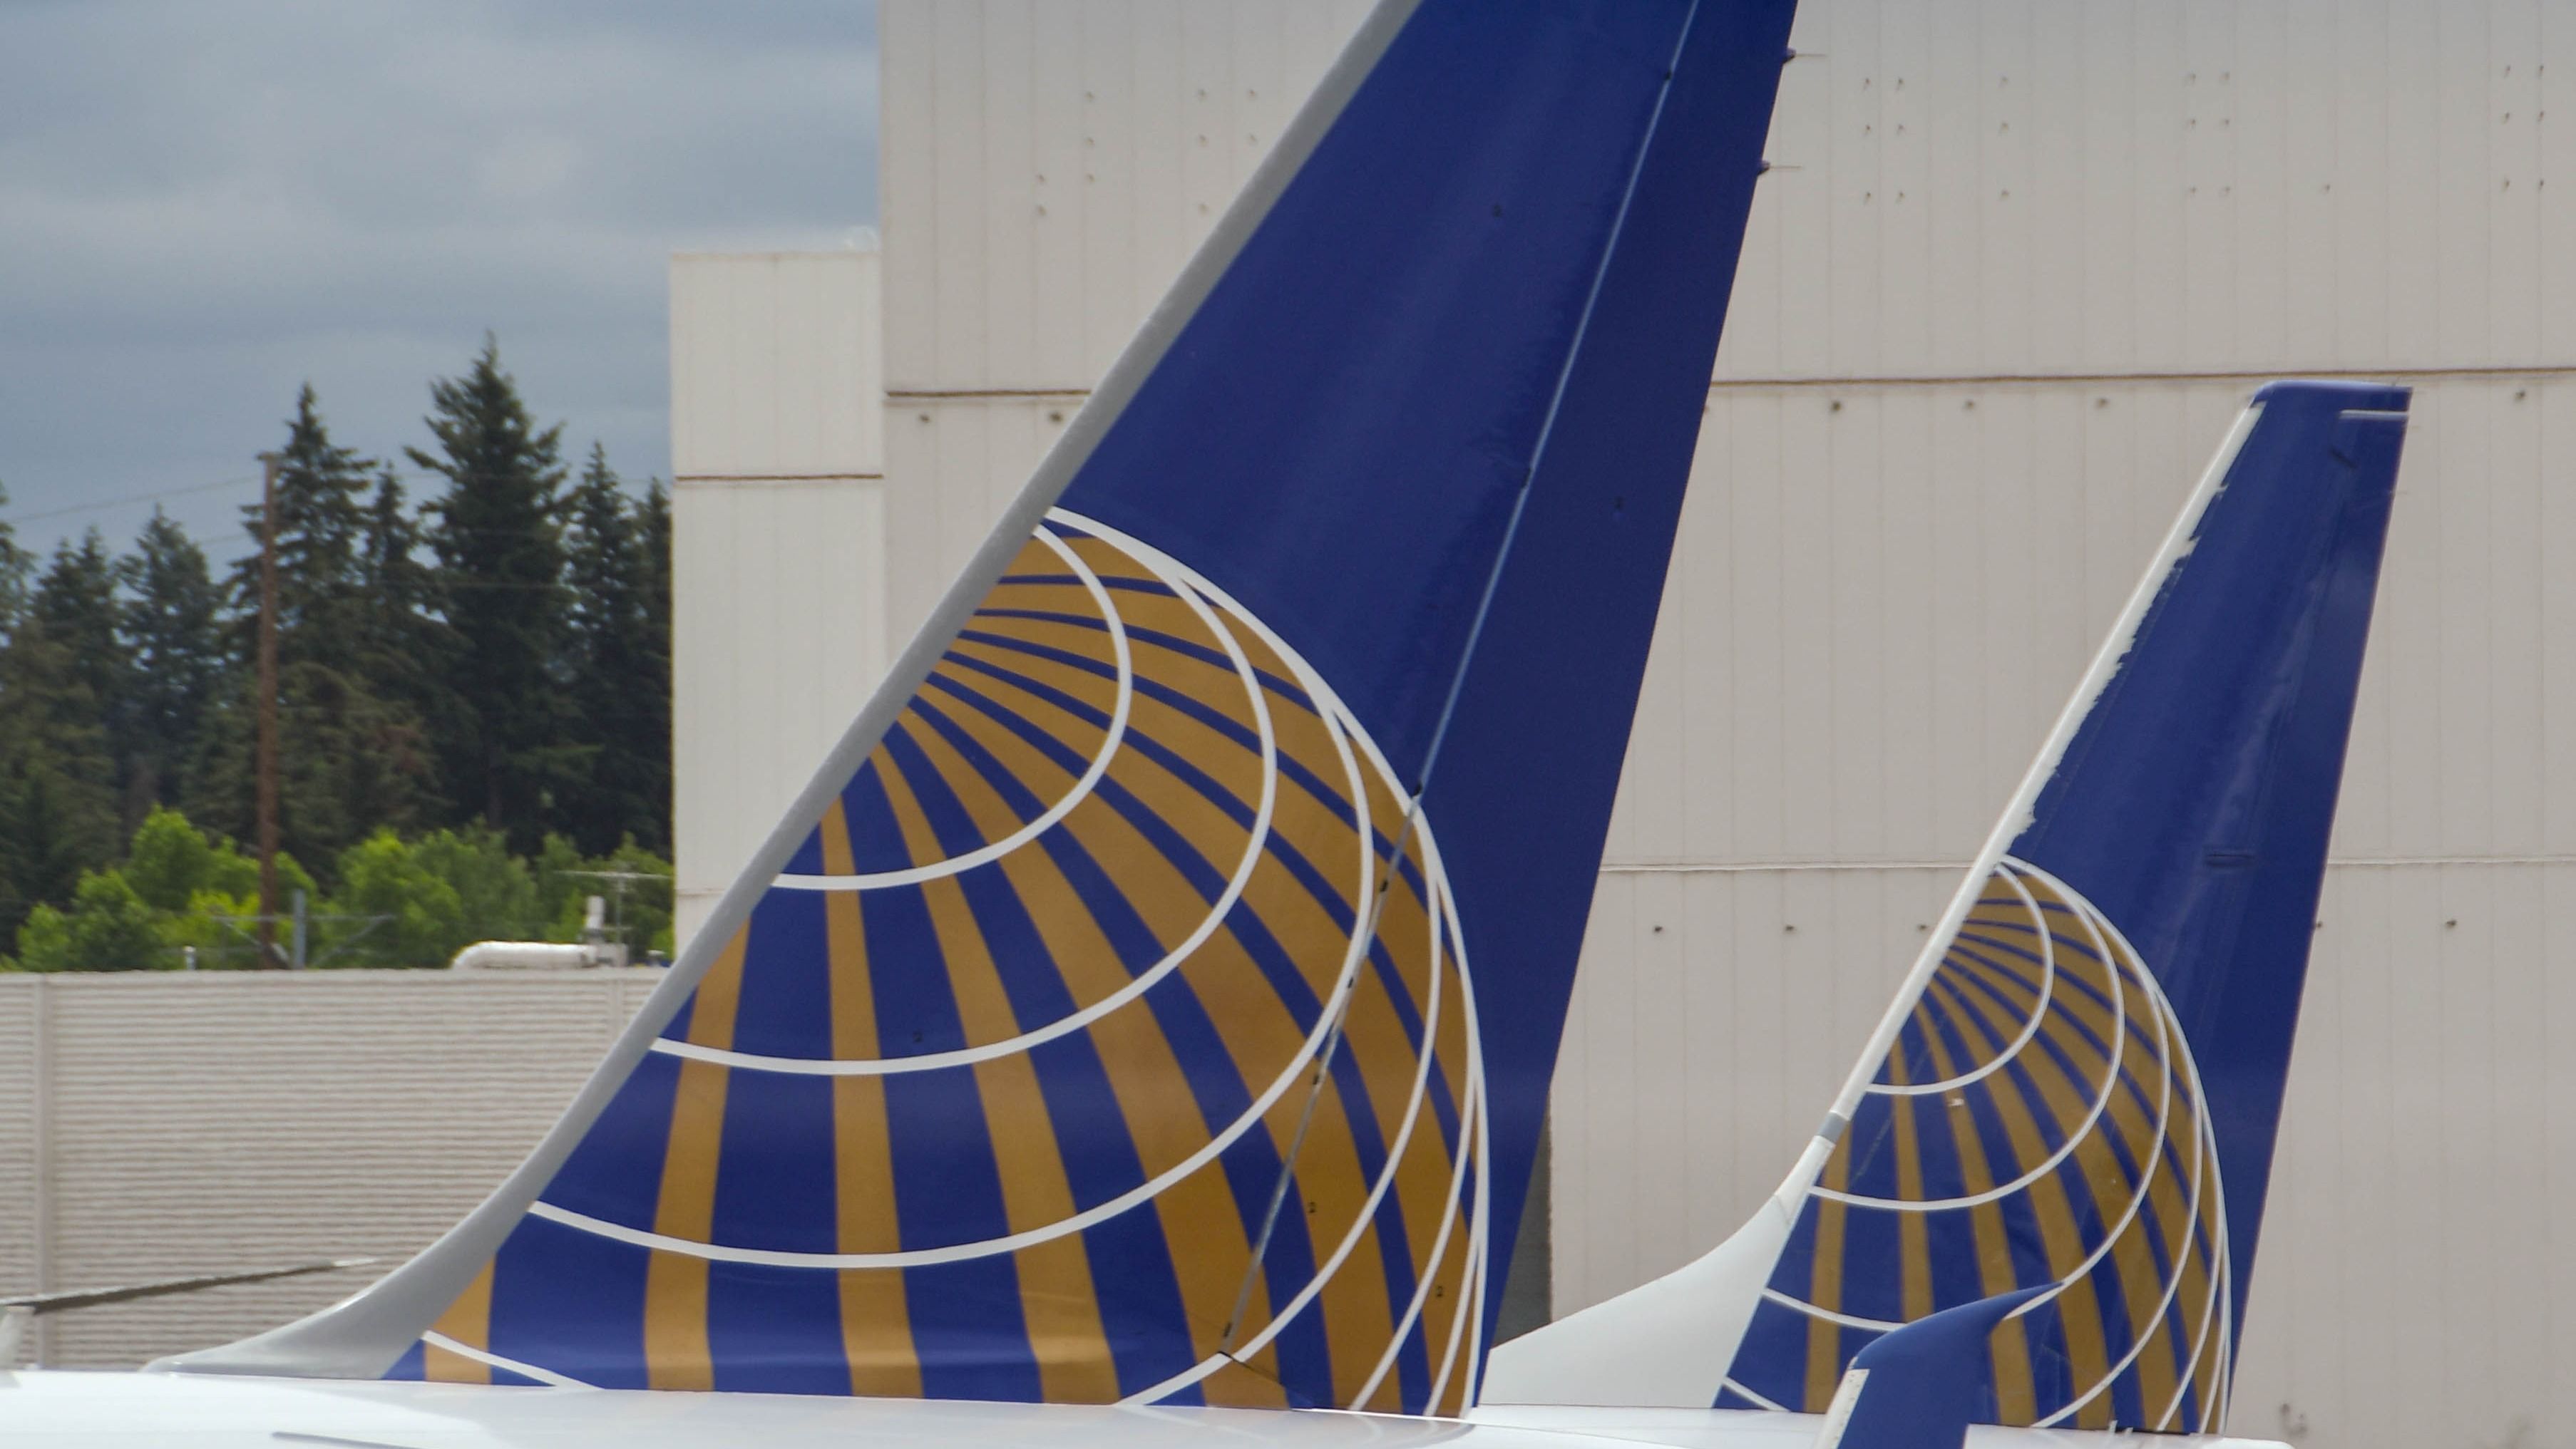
x: 204, y: 205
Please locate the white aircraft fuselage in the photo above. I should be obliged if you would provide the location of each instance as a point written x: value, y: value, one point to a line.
x: 224, y: 1411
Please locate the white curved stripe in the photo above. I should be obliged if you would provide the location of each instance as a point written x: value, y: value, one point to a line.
x: 2202, y: 1340
x: 1367, y: 1214
x: 2074, y: 1138
x: 1182, y: 1380
x: 1179, y: 1381
x: 1467, y: 1323
x: 2164, y: 1305
x: 1137, y: 986
x: 2030, y: 1028
x: 1470, y: 1305
x: 1759, y: 1401
x: 2176, y: 1059
x: 1469, y: 1313
x: 2226, y: 1324
x: 1326, y: 702
x: 1847, y: 1320
x: 1346, y: 733
x: 1471, y: 1129
x: 1082, y: 788
x: 1453, y: 1209
x: 2110, y: 1240
x: 2218, y: 1314
x: 442, y: 1342
x: 2205, y: 1174
x: 2169, y: 1039
x: 1356, y: 953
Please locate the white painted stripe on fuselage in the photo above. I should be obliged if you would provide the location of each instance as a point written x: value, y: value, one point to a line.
x: 489, y: 1359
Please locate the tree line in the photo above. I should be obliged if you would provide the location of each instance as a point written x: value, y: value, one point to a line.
x: 480, y: 680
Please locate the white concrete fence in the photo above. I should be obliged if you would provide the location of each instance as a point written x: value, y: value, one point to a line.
x: 160, y: 1124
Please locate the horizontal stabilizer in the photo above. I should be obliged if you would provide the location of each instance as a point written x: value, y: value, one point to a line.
x: 1921, y: 1386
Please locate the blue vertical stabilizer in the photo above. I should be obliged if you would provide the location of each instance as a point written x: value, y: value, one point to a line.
x: 1154, y: 997
x: 2078, y: 1087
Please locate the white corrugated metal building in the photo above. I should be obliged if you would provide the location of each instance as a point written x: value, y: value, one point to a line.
x: 2018, y: 263
x: 778, y: 540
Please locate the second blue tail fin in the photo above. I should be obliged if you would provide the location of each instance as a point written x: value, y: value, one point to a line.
x: 2078, y: 1087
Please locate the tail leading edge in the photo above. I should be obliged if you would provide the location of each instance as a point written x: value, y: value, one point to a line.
x: 1154, y: 997
x: 2078, y: 1086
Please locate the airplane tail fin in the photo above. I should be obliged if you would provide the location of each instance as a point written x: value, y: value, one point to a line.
x: 2078, y: 1085
x: 1154, y: 996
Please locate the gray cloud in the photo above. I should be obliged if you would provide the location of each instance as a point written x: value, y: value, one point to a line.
x: 203, y: 206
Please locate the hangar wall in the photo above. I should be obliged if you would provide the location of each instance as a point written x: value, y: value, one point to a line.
x: 2014, y: 270
x: 1046, y: 170
x: 2018, y: 263
x: 778, y: 541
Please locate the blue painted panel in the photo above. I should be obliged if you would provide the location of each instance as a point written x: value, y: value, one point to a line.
x: 570, y: 1302
x: 2195, y: 803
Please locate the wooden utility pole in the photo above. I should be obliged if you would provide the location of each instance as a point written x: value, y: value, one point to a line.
x: 267, y: 767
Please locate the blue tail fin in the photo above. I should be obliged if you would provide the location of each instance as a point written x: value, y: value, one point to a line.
x: 2079, y: 1084
x: 1155, y: 996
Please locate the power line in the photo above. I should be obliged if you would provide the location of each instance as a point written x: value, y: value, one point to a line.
x: 102, y: 505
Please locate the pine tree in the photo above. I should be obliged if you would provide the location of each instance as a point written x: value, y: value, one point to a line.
x: 16, y: 564
x: 499, y: 543
x: 653, y: 686
x: 611, y: 664
x: 171, y: 624
x: 76, y: 605
x: 352, y: 756
x: 58, y: 800
x: 406, y: 650
x: 389, y: 566
x: 321, y: 520
x: 653, y: 535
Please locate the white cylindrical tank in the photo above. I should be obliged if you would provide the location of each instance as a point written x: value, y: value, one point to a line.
x: 536, y: 956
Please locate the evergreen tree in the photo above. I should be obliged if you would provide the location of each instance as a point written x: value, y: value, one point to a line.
x: 58, y: 815
x: 400, y: 590
x: 611, y: 665
x: 653, y: 539
x: 407, y: 653
x: 77, y: 608
x: 352, y: 757
x: 321, y: 520
x: 499, y: 544
x: 216, y: 776
x: 498, y: 663
x: 172, y: 628
x: 16, y: 564
x: 653, y: 689
x: 76, y: 604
